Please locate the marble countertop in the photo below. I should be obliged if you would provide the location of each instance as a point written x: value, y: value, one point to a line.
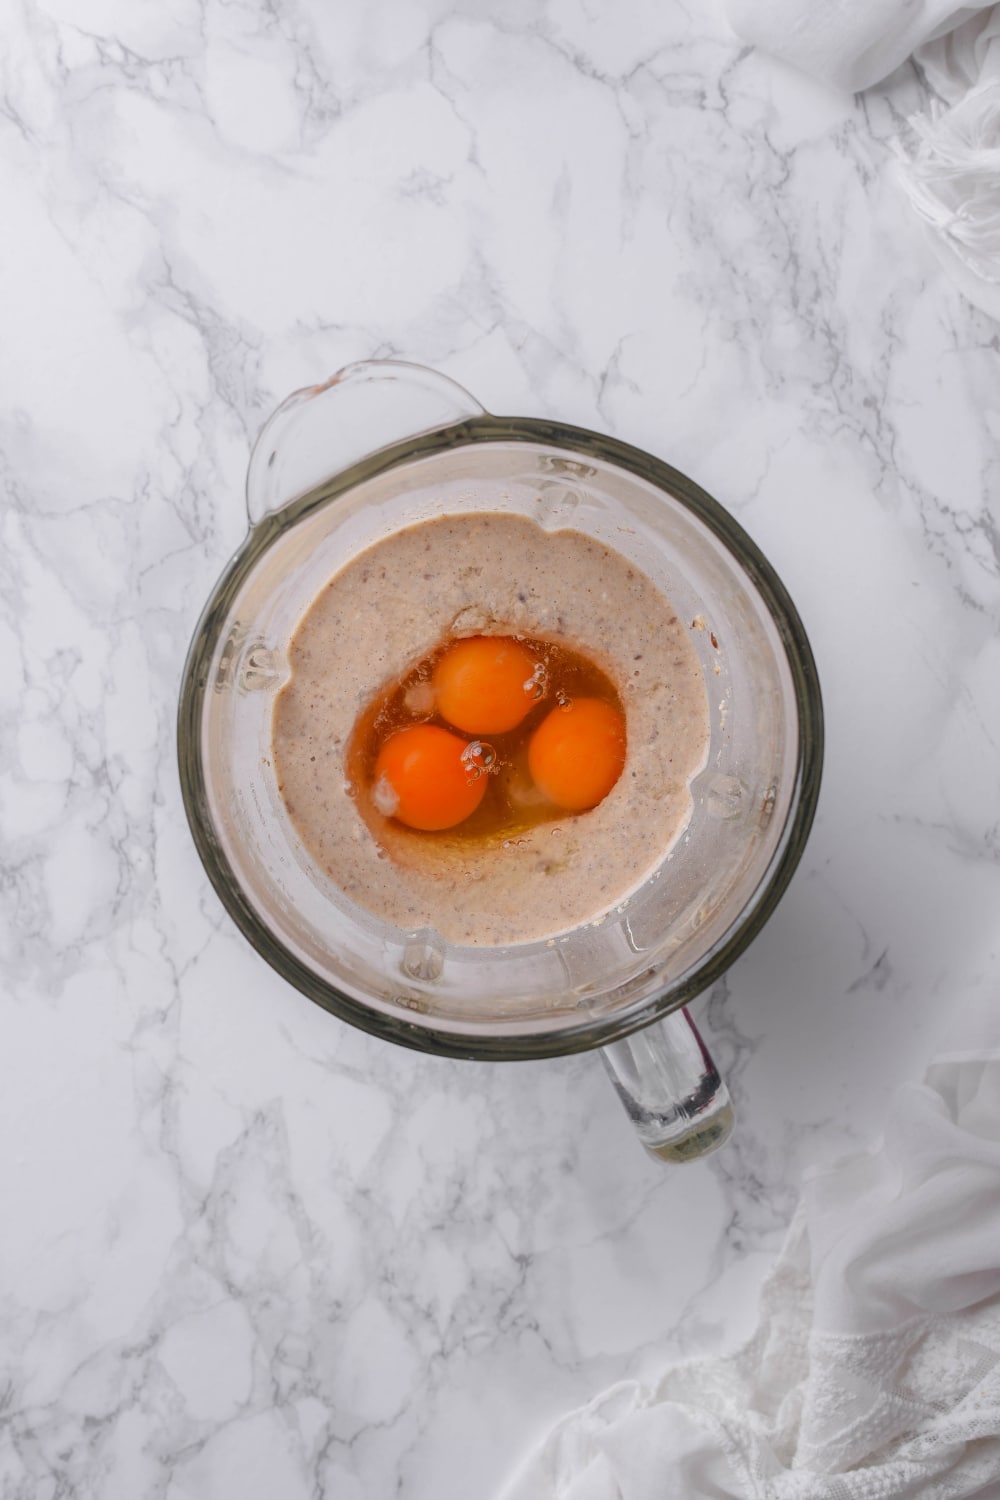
x: 245, y: 1251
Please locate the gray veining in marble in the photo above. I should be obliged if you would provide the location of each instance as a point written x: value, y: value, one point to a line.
x: 244, y: 1251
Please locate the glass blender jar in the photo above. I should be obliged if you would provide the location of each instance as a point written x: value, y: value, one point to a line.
x: 382, y: 446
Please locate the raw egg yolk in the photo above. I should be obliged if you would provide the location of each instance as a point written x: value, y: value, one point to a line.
x: 486, y: 684
x: 577, y: 753
x: 427, y: 778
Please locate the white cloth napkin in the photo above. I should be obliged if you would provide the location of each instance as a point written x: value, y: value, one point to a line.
x: 849, y: 43
x: 952, y: 176
x: 875, y: 1371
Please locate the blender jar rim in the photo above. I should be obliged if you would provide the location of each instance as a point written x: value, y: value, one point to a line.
x: 459, y: 1040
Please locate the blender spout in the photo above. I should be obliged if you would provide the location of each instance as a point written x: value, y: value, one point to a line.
x: 323, y: 430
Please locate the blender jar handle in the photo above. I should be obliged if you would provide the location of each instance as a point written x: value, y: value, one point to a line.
x: 671, y: 1089
x: 323, y: 429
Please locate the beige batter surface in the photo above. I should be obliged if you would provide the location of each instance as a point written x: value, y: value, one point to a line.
x: 490, y: 574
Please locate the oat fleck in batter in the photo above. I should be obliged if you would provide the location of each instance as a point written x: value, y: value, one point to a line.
x: 490, y: 574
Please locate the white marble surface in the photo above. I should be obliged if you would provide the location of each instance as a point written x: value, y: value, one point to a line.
x: 246, y: 1252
